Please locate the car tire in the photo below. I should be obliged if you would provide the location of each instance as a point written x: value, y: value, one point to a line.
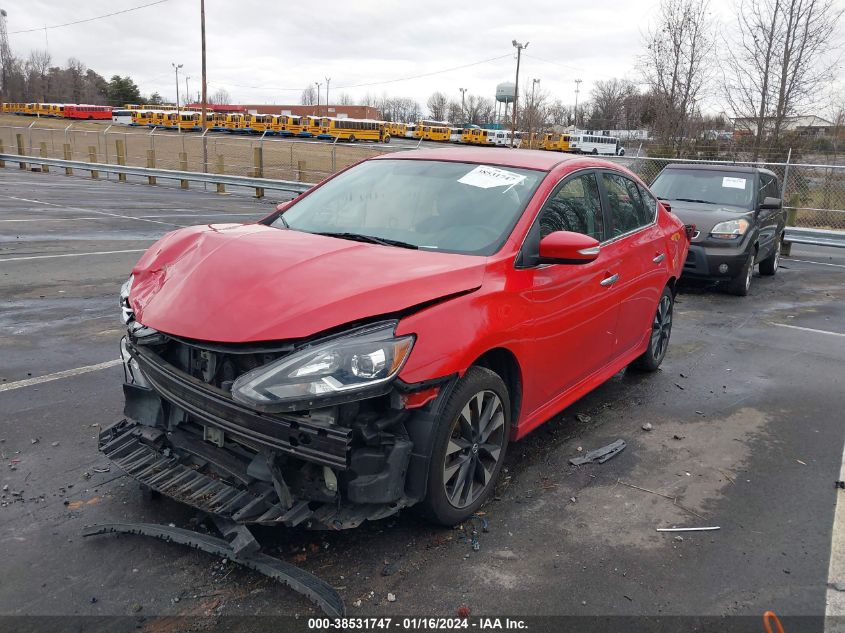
x: 661, y: 330
x: 769, y: 266
x: 594, y: 152
x: 352, y: 138
x: 741, y: 284
x: 465, y: 452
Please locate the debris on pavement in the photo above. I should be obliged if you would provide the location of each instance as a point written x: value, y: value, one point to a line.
x: 102, y: 469
x: 473, y: 537
x: 674, y: 500
x: 600, y: 455
x: 678, y: 437
x: 391, y: 597
x: 464, y: 611
x: 840, y: 484
x: 647, y: 426
x: 305, y: 583
x: 583, y: 417
x: 689, y: 529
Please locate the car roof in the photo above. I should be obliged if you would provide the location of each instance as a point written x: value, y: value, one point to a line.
x: 744, y: 169
x: 502, y: 156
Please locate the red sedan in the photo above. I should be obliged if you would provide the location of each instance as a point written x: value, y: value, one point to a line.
x: 378, y: 341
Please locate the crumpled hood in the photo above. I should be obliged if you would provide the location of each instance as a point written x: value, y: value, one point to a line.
x: 238, y: 283
x: 706, y: 216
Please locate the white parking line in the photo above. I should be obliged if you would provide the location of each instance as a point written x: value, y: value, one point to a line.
x: 105, y: 213
x: 807, y: 261
x: 68, y: 373
x: 140, y: 217
x: 20, y: 259
x: 836, y: 570
x: 806, y: 329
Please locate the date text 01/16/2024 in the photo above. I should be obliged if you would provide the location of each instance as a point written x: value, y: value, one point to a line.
x: 417, y: 624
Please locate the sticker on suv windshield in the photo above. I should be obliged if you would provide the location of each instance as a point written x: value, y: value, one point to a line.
x: 486, y: 177
x: 733, y: 183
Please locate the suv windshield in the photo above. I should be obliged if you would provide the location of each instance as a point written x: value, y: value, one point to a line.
x: 430, y: 205
x: 714, y: 187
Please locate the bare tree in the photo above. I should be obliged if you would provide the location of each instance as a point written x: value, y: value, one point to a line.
x: 436, y: 105
x: 220, y: 97
x: 344, y: 99
x: 610, y: 101
x: 675, y: 65
x: 309, y: 96
x: 776, y: 63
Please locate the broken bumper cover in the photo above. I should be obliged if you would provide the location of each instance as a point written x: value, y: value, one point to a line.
x: 141, y: 453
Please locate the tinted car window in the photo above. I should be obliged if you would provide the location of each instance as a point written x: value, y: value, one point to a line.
x: 768, y: 188
x: 626, y: 206
x: 575, y: 206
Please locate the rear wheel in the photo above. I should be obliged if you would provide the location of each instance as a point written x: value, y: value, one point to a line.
x: 469, y: 447
x: 769, y: 266
x: 595, y: 151
x: 352, y: 138
x: 661, y: 330
x: 741, y: 284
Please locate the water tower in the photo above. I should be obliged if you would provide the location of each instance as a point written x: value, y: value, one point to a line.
x: 505, y: 92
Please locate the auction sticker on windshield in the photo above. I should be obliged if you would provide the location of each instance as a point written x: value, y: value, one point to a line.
x: 733, y: 183
x: 485, y: 177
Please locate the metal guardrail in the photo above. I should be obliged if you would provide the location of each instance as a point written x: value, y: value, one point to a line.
x: 170, y: 174
x: 815, y: 237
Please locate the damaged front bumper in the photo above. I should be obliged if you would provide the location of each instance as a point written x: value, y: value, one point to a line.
x: 326, y: 469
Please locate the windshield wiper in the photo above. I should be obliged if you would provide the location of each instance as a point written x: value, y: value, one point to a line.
x: 694, y: 200
x: 370, y: 239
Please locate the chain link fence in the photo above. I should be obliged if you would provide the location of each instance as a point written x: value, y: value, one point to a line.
x: 814, y: 194
x: 268, y: 157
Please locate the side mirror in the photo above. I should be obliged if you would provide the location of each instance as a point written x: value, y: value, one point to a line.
x: 666, y: 205
x: 770, y: 203
x: 566, y: 247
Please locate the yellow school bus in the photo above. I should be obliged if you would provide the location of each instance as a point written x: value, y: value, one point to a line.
x: 353, y: 130
x: 7, y: 107
x: 141, y: 118
x: 188, y: 121
x: 290, y: 125
x: 396, y: 129
x: 269, y: 123
x: 234, y: 122
x: 555, y: 142
x: 476, y: 136
x: 436, y: 133
x: 311, y: 126
x: 215, y: 121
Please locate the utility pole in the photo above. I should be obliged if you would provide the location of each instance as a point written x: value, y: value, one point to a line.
x: 577, y: 89
x: 318, y: 84
x: 204, y: 89
x: 187, y: 92
x: 328, y: 79
x: 5, y: 53
x: 463, y: 108
x: 176, y: 68
x: 518, y: 46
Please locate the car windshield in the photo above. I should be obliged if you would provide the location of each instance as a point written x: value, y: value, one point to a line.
x: 431, y: 205
x: 734, y: 189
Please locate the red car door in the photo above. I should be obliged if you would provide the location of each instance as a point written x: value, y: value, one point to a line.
x: 573, y: 306
x: 641, y: 245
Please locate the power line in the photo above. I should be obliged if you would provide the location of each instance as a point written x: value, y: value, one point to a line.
x: 374, y: 83
x: 99, y: 17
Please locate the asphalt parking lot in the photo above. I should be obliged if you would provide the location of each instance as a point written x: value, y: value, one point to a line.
x: 747, y: 434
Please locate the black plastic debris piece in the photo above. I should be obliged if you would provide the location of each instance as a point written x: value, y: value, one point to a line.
x: 840, y: 484
x: 600, y: 455
x: 305, y: 583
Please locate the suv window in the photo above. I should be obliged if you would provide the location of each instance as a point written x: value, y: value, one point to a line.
x: 768, y: 188
x: 575, y: 206
x: 626, y: 205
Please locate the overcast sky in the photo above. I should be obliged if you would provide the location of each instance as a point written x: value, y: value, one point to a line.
x: 263, y: 51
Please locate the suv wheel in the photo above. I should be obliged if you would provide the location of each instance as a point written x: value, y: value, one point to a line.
x: 741, y: 284
x: 661, y: 329
x: 469, y: 447
x: 769, y: 266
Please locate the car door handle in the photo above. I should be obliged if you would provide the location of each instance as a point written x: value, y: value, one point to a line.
x: 659, y: 258
x: 609, y: 281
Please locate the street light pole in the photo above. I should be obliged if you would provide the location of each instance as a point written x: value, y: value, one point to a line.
x: 204, y: 90
x: 176, y: 68
x: 187, y: 92
x: 328, y: 79
x: 577, y: 89
x: 518, y: 46
x: 318, y: 84
x: 463, y: 108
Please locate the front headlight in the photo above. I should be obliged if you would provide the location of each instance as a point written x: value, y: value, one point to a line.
x: 729, y: 230
x: 347, y: 368
x: 126, y: 312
